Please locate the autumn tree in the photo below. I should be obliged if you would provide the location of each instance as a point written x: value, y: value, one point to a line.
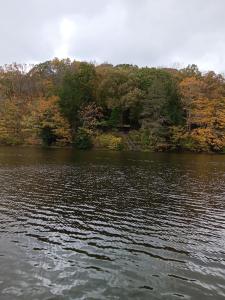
x: 90, y: 116
x: 53, y: 128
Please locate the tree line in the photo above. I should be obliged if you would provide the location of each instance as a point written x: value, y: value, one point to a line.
x: 64, y: 102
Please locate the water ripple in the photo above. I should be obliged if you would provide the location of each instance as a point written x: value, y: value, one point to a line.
x: 109, y: 226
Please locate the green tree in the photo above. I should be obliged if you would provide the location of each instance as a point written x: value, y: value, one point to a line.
x: 77, y: 89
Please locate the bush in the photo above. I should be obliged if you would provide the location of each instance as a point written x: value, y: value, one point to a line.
x: 47, y: 135
x: 109, y: 141
x: 10, y: 140
x: 139, y: 140
x: 83, y: 139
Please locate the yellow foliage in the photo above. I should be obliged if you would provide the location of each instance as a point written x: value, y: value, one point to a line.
x: 109, y: 141
x: 49, y: 116
x: 10, y: 123
x: 207, y: 139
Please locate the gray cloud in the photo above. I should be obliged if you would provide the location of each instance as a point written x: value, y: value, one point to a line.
x: 144, y: 32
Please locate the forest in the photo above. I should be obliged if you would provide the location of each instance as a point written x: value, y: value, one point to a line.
x: 123, y: 107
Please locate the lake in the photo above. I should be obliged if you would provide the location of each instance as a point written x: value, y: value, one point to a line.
x: 111, y: 225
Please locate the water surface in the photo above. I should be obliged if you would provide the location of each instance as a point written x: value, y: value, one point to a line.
x: 101, y: 225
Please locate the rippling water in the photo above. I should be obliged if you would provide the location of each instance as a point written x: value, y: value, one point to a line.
x: 101, y: 225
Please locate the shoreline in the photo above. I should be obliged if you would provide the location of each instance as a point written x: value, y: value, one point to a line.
x: 95, y: 149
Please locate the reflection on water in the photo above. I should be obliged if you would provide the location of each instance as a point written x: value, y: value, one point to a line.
x: 101, y: 225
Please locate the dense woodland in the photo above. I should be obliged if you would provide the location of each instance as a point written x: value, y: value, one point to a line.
x: 71, y: 103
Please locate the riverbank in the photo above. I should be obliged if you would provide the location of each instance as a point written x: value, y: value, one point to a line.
x: 133, y: 141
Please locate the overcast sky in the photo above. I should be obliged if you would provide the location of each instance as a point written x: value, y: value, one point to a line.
x: 143, y: 32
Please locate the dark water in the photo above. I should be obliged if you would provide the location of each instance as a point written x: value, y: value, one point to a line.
x: 100, y: 225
